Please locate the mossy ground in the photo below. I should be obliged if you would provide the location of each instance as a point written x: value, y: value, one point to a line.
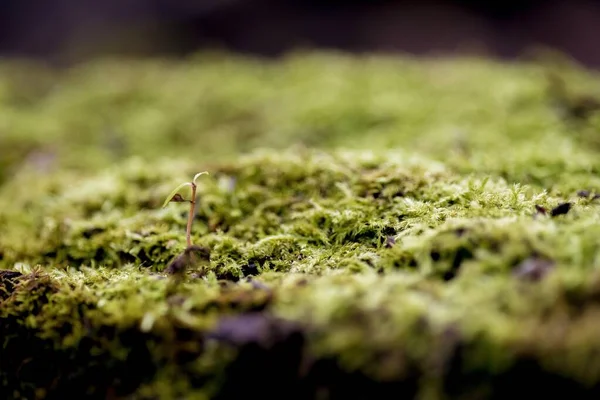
x: 375, y: 224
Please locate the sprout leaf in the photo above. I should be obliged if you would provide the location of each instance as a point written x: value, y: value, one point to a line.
x: 171, y: 195
x: 198, y: 174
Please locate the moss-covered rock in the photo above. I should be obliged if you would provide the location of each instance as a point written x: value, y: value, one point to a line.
x: 376, y: 226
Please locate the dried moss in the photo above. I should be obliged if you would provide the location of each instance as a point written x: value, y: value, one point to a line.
x: 394, y: 233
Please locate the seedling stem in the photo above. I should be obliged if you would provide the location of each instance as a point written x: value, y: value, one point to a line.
x: 188, y: 232
x: 174, y: 196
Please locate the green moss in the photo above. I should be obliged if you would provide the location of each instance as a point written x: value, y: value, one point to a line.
x: 374, y: 224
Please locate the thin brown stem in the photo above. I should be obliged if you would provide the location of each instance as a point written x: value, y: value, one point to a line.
x: 191, y: 216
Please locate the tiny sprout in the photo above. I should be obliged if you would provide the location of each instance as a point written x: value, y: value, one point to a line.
x: 175, y: 197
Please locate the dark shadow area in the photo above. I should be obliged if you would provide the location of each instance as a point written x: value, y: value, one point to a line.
x: 69, y: 30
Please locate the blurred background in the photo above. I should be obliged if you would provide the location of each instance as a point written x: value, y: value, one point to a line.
x: 192, y: 86
x: 70, y: 30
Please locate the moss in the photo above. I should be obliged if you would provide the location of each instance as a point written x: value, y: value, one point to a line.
x: 417, y: 329
x: 374, y: 224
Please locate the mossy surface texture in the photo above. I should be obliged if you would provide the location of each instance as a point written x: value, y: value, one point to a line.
x: 378, y: 227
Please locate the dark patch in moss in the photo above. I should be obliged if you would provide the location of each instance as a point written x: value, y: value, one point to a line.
x: 561, y: 209
x: 389, y: 231
x: 399, y: 258
x: 533, y: 269
x: 259, y: 285
x: 264, y: 343
x: 7, y: 274
x: 8, y: 280
x: 76, y: 375
x: 126, y: 258
x: 580, y: 299
x: 583, y: 107
x: 178, y: 265
x: 572, y: 106
x: 302, y: 282
x: 90, y: 232
x: 460, y: 232
x: 225, y: 284
x: 254, y: 327
x: 583, y: 193
x: 525, y: 377
x: 250, y: 269
x: 387, y: 237
x: 528, y: 379
x: 227, y: 274
x: 30, y: 363
x: 398, y: 193
x: 390, y: 241
x: 100, y: 254
x: 449, y: 342
x: 540, y: 210
x: 326, y: 378
x: 451, y: 202
x: 460, y: 256
x: 188, y: 345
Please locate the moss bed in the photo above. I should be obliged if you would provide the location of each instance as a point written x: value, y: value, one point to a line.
x: 378, y: 227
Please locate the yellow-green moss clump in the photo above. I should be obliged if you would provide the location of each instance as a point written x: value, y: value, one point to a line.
x: 377, y: 227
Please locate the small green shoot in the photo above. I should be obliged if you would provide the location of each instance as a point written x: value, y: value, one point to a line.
x: 175, y: 197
